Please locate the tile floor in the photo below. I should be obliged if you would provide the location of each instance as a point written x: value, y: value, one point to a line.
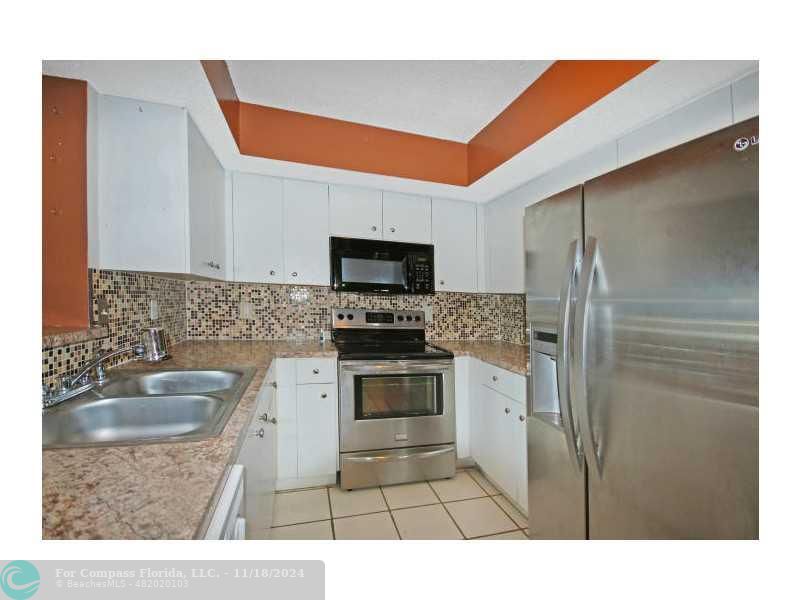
x: 467, y: 506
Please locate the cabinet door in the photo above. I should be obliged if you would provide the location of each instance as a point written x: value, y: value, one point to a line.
x: 498, y: 431
x: 520, y: 454
x: 206, y: 208
x: 505, y: 254
x: 258, y: 457
x: 257, y: 228
x: 305, y: 232
x: 355, y: 212
x: 317, y: 429
x: 455, y: 245
x: 286, y: 414
x: 406, y: 218
x: 477, y: 400
x: 143, y: 184
x: 463, y: 407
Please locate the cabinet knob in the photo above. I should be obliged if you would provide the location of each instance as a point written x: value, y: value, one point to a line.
x: 494, y: 377
x: 259, y: 433
x: 522, y: 418
x: 323, y: 395
x: 374, y: 228
x: 294, y: 274
x: 315, y: 371
x: 272, y: 272
x: 274, y: 384
x: 391, y: 229
x: 441, y: 282
x: 508, y: 410
x: 264, y: 417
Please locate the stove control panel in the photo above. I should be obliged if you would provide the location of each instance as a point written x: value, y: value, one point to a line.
x: 365, y: 318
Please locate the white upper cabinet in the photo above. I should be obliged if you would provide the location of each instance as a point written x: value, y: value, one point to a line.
x: 355, y: 212
x: 406, y: 218
x: 143, y: 191
x: 455, y: 245
x: 305, y: 232
x: 161, y: 192
x: 257, y: 228
x: 206, y: 208
x: 505, y: 256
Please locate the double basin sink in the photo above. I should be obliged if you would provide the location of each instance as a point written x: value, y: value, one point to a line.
x: 142, y: 407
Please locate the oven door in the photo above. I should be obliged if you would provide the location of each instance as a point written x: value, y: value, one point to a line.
x: 395, y: 403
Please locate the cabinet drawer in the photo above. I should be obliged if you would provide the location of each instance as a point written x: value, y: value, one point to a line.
x: 316, y: 370
x: 505, y: 382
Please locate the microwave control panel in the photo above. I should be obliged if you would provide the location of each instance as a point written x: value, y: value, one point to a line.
x: 421, y: 275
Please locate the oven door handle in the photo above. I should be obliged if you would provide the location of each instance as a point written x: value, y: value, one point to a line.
x: 396, y: 457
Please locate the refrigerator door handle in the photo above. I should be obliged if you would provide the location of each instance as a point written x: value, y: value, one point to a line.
x: 580, y: 340
x: 563, y: 358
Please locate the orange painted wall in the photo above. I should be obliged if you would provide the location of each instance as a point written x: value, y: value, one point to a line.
x: 65, y: 289
x: 298, y: 137
x: 564, y: 90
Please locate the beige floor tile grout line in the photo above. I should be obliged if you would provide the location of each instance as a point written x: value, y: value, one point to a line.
x: 493, y: 497
x: 486, y: 494
x: 330, y: 509
x: 435, y: 493
x: 391, y: 516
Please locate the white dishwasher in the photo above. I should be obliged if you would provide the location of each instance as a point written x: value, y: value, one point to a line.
x: 228, y: 522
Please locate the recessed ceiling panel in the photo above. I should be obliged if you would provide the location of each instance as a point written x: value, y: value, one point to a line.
x: 452, y: 100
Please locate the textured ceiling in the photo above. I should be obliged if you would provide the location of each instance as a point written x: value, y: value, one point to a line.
x: 445, y: 99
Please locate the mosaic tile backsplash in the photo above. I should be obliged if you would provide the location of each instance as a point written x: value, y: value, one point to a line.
x: 299, y: 312
x: 211, y: 311
x: 128, y: 296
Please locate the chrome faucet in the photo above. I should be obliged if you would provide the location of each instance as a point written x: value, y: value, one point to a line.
x: 82, y: 382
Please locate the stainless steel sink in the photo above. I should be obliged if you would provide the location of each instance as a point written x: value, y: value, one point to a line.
x: 171, y: 382
x: 141, y: 407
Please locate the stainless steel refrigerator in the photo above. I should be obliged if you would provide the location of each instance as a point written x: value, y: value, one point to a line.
x: 642, y: 307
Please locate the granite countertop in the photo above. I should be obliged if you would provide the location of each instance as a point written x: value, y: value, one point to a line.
x: 53, y: 337
x: 512, y: 357
x: 156, y: 491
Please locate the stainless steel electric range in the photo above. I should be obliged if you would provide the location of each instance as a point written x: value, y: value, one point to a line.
x: 396, y: 399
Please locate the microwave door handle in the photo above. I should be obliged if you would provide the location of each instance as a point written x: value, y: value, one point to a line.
x: 563, y: 357
x: 588, y: 271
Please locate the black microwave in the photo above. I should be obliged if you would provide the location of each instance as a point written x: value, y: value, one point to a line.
x: 381, y: 267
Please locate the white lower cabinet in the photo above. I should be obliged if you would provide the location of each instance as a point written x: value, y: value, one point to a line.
x: 500, y: 456
x: 317, y: 430
x: 520, y: 445
x: 244, y: 509
x: 463, y: 412
x: 308, y: 423
x: 286, y: 414
x: 497, y: 428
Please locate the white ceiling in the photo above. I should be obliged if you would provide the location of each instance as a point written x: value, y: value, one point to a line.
x: 448, y: 99
x: 660, y: 89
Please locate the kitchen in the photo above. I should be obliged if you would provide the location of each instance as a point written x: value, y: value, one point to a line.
x: 384, y: 343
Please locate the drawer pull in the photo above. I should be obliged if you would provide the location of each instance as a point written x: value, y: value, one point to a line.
x: 315, y: 371
x: 323, y: 395
x: 508, y: 411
